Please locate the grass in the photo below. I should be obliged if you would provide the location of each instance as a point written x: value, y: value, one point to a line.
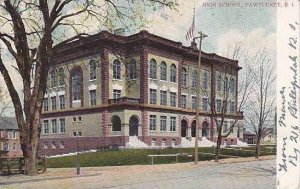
x: 140, y: 156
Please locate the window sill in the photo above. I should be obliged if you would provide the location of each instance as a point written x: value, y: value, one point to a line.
x: 117, y: 79
x: 91, y: 80
x: 132, y: 79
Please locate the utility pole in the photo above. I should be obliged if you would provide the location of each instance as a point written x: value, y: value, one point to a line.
x: 201, y: 37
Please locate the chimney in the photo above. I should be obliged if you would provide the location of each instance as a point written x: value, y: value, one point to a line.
x: 120, y: 31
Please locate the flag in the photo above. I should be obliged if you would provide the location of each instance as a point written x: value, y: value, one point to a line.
x: 190, y: 33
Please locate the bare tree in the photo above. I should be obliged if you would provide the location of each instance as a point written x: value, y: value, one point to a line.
x: 30, y: 31
x: 4, y: 102
x: 261, y: 103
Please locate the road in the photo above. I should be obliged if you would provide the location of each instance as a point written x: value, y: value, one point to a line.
x: 242, y: 175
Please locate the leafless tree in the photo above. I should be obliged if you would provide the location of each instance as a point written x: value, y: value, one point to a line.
x: 31, y: 29
x: 261, y: 103
x: 4, y: 102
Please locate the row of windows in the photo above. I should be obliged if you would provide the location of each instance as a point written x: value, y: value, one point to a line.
x: 163, y: 123
x: 9, y: 134
x: 7, y: 147
x: 54, y: 128
x: 226, y: 126
x: 163, y: 97
x: 226, y: 88
x: 163, y: 71
x: 225, y: 105
x: 132, y: 69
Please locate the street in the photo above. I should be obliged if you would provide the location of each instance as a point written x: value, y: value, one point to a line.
x: 208, y: 175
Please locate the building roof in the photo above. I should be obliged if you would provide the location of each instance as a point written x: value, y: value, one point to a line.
x: 8, y: 123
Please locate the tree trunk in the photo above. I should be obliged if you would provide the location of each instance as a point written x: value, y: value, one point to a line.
x: 30, y: 145
x: 219, y: 140
x: 257, y: 148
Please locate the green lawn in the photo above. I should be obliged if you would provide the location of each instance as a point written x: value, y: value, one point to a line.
x: 140, y: 157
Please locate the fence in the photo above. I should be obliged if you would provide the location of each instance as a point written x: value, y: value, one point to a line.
x: 16, y: 165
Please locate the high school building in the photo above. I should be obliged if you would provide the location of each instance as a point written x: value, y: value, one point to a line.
x: 107, y: 87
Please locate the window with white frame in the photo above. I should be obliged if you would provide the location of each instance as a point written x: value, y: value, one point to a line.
x: 54, y: 126
x: 92, y: 69
x: 116, y: 93
x: 14, y: 134
x: 231, y: 106
x: 226, y: 89
x: 219, y: 83
x: 205, y: 104
x: 152, y: 123
x: 225, y: 126
x: 219, y: 105
x: 194, y: 102
x: 153, y: 69
x: 45, y: 104
x: 205, y: 80
x: 194, y: 78
x: 163, y: 123
x: 173, y: 99
x: 62, y: 123
x: 53, y: 102
x: 46, y: 126
x: 225, y: 106
x: 184, y: 77
x: 62, y: 102
x: 231, y: 127
x: 153, y: 96
x: 163, y: 98
x: 116, y: 69
x: 183, y: 101
x: 232, y: 86
x: 132, y: 69
x: 93, y: 98
x: 14, y: 147
x: 172, y: 123
x: 61, y: 77
x: 76, y: 85
x: 173, y: 73
x: 163, y: 71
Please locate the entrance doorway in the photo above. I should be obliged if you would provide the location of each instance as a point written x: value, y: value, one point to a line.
x: 184, y: 125
x: 194, y: 128
x: 133, y: 126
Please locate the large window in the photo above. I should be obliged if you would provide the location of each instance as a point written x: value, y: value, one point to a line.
x: 54, y: 126
x: 76, y: 80
x: 205, y: 104
x: 62, y: 123
x: 232, y: 86
x: 53, y: 79
x: 172, y: 123
x: 173, y: 72
x: 205, y: 80
x: 61, y: 77
x: 219, y: 105
x: 163, y: 98
x: 116, y: 93
x: 225, y: 126
x: 219, y: 83
x: 132, y: 69
x: 194, y: 78
x: 46, y: 126
x: 45, y: 104
x: 117, y: 69
x: 163, y: 71
x: 183, y: 101
x: 152, y: 122
x: 93, y: 97
x: 53, y: 102
x: 184, y: 77
x: 173, y: 99
x: 116, y: 123
x: 153, y: 69
x: 92, y: 68
x: 62, y: 102
x: 163, y: 123
x: 231, y: 107
x: 153, y: 96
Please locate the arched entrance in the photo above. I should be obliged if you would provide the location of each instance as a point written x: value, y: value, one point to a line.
x: 184, y: 125
x: 205, y: 128
x: 194, y: 128
x: 133, y: 126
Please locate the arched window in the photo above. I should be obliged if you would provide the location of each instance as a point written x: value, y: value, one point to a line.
x: 153, y: 69
x: 232, y: 86
x: 116, y: 123
x: 205, y: 80
x: 184, y: 77
x: 76, y: 84
x: 53, y: 78
x: 117, y: 69
x: 92, y: 68
x: 173, y: 73
x: 61, y: 76
x: 163, y: 71
x: 194, y: 78
x: 219, y: 83
x: 132, y: 69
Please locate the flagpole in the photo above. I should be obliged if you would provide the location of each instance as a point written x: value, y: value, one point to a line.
x: 201, y: 37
